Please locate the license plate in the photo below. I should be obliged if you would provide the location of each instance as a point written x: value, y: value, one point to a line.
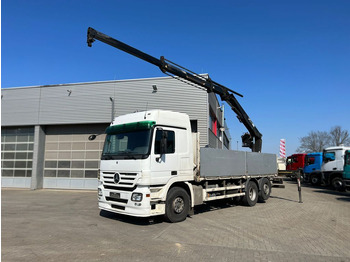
x: 114, y: 195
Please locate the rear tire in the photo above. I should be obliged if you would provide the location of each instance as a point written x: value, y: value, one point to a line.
x: 265, y: 190
x: 251, y: 194
x: 177, y: 205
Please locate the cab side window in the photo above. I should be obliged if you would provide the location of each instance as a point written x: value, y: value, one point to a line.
x: 329, y: 156
x: 310, y: 161
x: 170, y: 149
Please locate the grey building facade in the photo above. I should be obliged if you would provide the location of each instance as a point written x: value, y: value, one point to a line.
x: 44, y: 129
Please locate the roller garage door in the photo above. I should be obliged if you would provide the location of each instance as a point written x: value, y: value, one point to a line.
x: 71, y: 160
x: 16, y: 156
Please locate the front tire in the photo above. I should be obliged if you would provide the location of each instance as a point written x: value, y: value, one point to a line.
x: 315, y: 180
x: 251, y: 194
x: 338, y: 184
x: 177, y: 205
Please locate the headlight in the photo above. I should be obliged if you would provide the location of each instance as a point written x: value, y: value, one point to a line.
x: 137, y: 197
x: 99, y: 192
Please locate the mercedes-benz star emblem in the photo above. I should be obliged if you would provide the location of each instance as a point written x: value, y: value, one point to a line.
x: 116, y: 178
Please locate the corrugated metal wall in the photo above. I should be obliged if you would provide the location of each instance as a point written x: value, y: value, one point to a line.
x: 20, y: 106
x: 90, y: 102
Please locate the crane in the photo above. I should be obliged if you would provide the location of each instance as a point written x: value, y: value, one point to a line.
x: 251, y: 139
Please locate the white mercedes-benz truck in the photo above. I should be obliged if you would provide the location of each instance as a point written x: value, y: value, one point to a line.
x: 152, y: 165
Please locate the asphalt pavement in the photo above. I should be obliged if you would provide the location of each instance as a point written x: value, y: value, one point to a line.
x: 63, y: 225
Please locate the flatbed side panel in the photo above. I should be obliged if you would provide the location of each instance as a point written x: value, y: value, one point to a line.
x: 261, y: 163
x: 222, y: 163
x: 228, y: 163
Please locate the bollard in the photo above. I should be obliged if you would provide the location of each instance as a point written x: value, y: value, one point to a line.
x: 299, y: 186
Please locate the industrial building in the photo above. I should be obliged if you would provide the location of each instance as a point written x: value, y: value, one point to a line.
x: 45, y: 129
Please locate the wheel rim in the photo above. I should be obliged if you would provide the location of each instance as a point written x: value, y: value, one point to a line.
x: 179, y: 205
x: 314, y: 180
x: 337, y: 183
x: 266, y: 189
x: 252, y: 194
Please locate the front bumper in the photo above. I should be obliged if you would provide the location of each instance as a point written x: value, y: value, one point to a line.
x: 124, y: 205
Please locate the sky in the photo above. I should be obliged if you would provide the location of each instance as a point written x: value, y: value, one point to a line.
x: 290, y: 59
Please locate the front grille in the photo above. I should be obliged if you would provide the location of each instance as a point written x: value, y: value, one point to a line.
x: 127, y: 181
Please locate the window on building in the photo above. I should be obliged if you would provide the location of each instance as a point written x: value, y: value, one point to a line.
x: 213, y: 123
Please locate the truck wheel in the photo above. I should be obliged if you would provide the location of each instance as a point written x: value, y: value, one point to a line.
x: 315, y: 180
x: 177, y: 205
x: 338, y: 184
x: 265, y: 190
x: 251, y: 194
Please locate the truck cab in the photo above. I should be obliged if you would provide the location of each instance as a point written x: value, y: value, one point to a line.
x: 294, y: 164
x: 333, y: 166
x: 143, y: 152
x: 313, y: 162
x: 295, y: 161
x: 346, y: 173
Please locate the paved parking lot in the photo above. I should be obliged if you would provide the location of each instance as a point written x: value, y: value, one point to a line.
x: 48, y: 225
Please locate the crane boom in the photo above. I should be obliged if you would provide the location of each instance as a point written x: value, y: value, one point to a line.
x: 253, y: 139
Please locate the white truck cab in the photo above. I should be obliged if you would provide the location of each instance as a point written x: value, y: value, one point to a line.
x: 333, y: 166
x: 143, y: 152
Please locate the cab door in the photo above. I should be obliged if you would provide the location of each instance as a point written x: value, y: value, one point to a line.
x: 164, y: 155
x: 347, y: 165
x: 329, y: 161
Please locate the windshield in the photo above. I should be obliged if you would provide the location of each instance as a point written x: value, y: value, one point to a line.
x: 127, y: 145
x: 347, y: 158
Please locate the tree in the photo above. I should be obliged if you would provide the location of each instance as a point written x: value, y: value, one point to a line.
x: 315, y: 141
x: 339, y: 136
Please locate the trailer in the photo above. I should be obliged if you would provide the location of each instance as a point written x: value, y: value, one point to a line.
x: 152, y: 164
